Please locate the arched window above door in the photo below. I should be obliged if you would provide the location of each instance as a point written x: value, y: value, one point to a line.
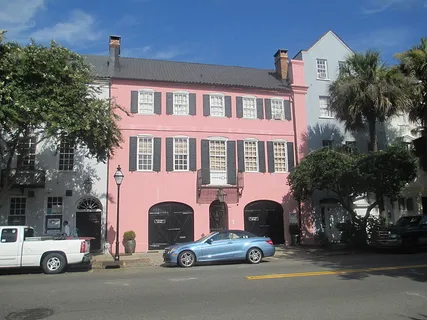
x: 89, y: 204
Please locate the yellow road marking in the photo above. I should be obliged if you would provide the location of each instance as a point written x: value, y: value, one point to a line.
x: 324, y: 273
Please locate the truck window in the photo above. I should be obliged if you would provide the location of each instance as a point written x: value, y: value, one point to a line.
x: 9, y: 235
x: 28, y: 233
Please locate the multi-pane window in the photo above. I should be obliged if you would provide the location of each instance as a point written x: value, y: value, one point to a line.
x: 53, y: 219
x: 54, y: 205
x: 280, y: 155
x: 17, y: 208
x: 218, y: 156
x: 27, y: 154
x: 217, y: 105
x: 327, y: 143
x: 180, y: 103
x: 145, y: 154
x: 277, y: 109
x: 322, y: 69
x: 146, y: 102
x: 249, y: 107
x: 341, y: 65
x: 251, y: 156
x: 180, y: 154
x: 324, y: 108
x: 66, y: 155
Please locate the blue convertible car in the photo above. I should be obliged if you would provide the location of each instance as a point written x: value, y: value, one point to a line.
x: 225, y: 245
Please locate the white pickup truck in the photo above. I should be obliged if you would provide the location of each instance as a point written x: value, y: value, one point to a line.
x: 20, y: 248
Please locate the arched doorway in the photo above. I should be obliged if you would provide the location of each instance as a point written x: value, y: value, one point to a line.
x: 218, y: 216
x: 88, y: 221
x: 170, y: 223
x: 332, y: 214
x: 265, y: 218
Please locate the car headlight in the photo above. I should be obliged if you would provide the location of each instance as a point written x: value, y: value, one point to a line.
x: 393, y: 236
x: 172, y: 250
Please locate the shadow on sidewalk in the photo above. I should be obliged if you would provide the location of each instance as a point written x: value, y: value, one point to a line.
x: 34, y: 270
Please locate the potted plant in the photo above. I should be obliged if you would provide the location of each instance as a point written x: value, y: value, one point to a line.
x: 129, y: 241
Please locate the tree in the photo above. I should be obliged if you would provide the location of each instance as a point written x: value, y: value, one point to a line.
x: 367, y: 92
x: 413, y: 63
x: 350, y: 175
x: 49, y: 91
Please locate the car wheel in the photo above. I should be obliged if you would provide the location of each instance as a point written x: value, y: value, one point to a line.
x: 54, y: 263
x: 186, y: 259
x: 254, y: 256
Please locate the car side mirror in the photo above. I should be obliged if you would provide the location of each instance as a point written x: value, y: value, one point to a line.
x: 209, y: 241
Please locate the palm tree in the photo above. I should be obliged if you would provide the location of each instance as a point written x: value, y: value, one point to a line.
x: 367, y: 92
x: 414, y: 63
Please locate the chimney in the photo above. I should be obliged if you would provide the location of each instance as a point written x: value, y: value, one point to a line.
x: 114, y: 52
x: 281, y: 63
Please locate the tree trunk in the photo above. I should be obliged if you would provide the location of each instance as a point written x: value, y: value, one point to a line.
x: 373, y: 145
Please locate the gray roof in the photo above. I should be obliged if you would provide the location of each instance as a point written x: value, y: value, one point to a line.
x: 186, y: 72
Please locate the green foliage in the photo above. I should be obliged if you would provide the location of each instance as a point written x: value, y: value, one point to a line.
x: 129, y: 235
x: 366, y: 91
x: 413, y: 63
x: 49, y: 90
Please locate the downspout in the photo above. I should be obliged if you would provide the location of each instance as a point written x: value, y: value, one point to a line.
x: 292, y: 101
x: 108, y: 176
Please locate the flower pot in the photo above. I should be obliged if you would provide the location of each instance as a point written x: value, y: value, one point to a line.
x: 130, y: 246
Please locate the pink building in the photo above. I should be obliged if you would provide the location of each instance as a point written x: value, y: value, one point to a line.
x: 206, y: 147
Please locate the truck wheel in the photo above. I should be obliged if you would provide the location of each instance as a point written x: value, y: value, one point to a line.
x: 54, y: 263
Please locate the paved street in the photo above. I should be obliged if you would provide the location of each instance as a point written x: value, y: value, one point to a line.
x: 308, y: 288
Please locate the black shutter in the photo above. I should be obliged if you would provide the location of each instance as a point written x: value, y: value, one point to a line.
x: 239, y: 107
x: 157, y: 154
x: 206, y: 172
x: 261, y: 156
x: 133, y: 147
x: 227, y: 101
x: 291, y: 156
x: 169, y: 155
x: 134, y: 101
x: 231, y: 162
x: 206, y: 105
x: 259, y: 108
x: 169, y: 103
x: 268, y: 108
x: 241, y: 155
x: 270, y: 156
x: 192, y: 104
x: 287, y: 105
x: 157, y: 103
x: 192, y: 154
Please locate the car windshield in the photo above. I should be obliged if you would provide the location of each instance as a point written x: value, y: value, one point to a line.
x: 205, y: 237
x: 408, y: 221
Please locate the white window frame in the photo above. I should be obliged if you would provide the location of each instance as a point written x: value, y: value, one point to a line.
x: 71, y: 155
x: 187, y: 108
x: 16, y: 215
x: 245, y: 99
x: 341, y: 64
x: 286, y: 155
x: 273, y: 114
x: 225, y: 140
x: 324, y: 113
x: 249, y: 140
x: 151, y: 91
x: 188, y: 153
x: 142, y: 136
x: 222, y: 97
x: 318, y: 74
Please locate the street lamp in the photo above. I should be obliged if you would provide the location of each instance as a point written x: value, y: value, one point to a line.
x: 220, y: 195
x: 118, y: 176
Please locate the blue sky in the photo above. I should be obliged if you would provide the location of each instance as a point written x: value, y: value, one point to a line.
x: 230, y: 32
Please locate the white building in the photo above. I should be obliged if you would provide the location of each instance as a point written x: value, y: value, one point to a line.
x: 55, y: 184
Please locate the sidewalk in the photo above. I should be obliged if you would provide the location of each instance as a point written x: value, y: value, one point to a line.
x: 155, y: 258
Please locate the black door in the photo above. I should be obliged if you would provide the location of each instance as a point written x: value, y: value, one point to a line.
x: 218, y: 217
x: 170, y: 223
x: 89, y: 225
x: 265, y: 218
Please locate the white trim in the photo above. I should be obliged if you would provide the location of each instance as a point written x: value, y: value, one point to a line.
x: 251, y: 139
x: 146, y: 91
x: 144, y: 135
x: 8, y: 209
x: 326, y: 69
x: 249, y: 97
x: 256, y: 152
x: 255, y: 105
x: 217, y: 138
x: 277, y: 98
x: 282, y: 101
x: 279, y: 140
x: 188, y: 154
x: 216, y: 94
x: 187, y: 137
x: 286, y: 157
x: 137, y: 152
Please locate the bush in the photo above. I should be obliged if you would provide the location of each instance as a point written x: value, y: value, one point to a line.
x: 129, y: 235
